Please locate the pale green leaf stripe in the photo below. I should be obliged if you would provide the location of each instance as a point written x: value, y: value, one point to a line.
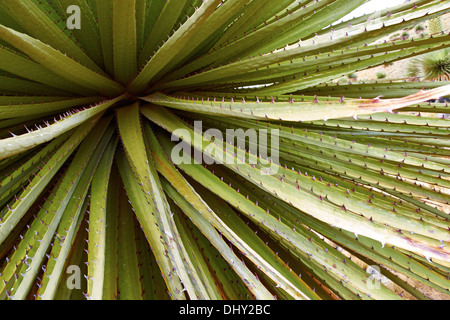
x: 317, y: 74
x: 62, y: 246
x: 40, y: 26
x: 227, y: 281
x: 74, y: 259
x: 88, y: 36
x: 59, y: 63
x: 46, y: 223
x: 105, y: 20
x: 253, y: 14
x: 17, y: 64
x: 150, y: 279
x: 176, y: 43
x: 153, y: 12
x: 310, y: 64
x: 253, y: 40
x: 18, y: 176
x: 354, y: 160
x: 313, y: 23
x: 380, y: 16
x: 276, y: 272
x: 207, y: 229
x: 309, y: 47
x: 370, y: 89
x: 34, y: 109
x: 124, y: 40
x: 333, y: 72
x: 295, y: 111
x: 15, y: 86
x: 163, y: 27
x: 380, y: 13
x: 315, y: 139
x: 312, y: 252
x: 112, y: 205
x: 37, y: 185
x: 98, y: 222
x: 18, y: 144
x: 67, y: 208
x: 7, y: 20
x: 154, y: 193
x: 196, y: 255
x: 219, y: 20
x: 386, y: 256
x: 317, y: 208
x: 144, y: 213
x: 399, y: 118
x: 128, y: 284
x: 141, y: 12
x: 182, y: 258
x: 375, y: 29
x: 66, y: 232
x: 345, y: 155
x: 138, y: 170
x: 25, y: 250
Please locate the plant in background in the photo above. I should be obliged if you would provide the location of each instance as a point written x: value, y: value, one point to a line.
x: 436, y: 66
x: 420, y: 28
x: 381, y: 75
x: 413, y: 70
x: 435, y: 25
x: 92, y: 205
x: 433, y: 66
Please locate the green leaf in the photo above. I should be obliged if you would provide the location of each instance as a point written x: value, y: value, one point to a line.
x: 295, y: 240
x: 70, y: 220
x: 40, y: 26
x: 17, y: 144
x: 286, y: 190
x: 42, y: 179
x: 105, y: 26
x: 69, y: 193
x: 59, y: 63
x: 173, y: 46
x: 163, y: 26
x: 154, y: 219
x: 272, y: 266
x: 112, y: 207
x: 88, y: 36
x: 128, y: 286
x: 15, y: 63
x: 98, y: 223
x: 124, y: 40
x: 36, y: 109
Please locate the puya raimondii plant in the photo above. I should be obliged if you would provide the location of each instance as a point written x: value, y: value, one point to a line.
x: 354, y: 207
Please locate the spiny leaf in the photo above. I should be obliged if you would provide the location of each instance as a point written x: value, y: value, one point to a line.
x: 17, y: 144
x: 295, y: 111
x: 40, y: 26
x: 59, y: 63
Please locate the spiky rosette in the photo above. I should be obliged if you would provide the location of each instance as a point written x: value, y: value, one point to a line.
x: 119, y: 179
